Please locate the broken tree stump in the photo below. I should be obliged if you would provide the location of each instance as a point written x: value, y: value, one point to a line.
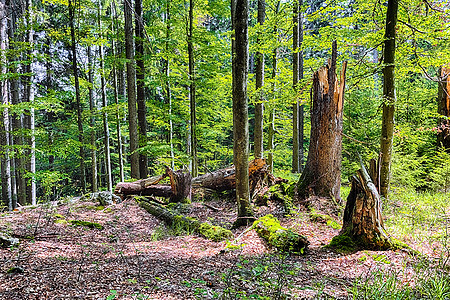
x: 214, y: 233
x: 286, y: 240
x: 363, y: 223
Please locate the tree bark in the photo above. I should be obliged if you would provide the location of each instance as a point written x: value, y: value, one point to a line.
x: 259, y: 106
x: 140, y: 91
x: 92, y: 108
x: 77, y: 96
x: 240, y: 110
x: 389, y: 97
x: 168, y: 90
x: 192, y: 88
x: 4, y: 133
x: 295, y: 108
x: 104, y: 112
x: 300, y: 77
x: 443, y: 138
x: 131, y: 89
x: 322, y: 174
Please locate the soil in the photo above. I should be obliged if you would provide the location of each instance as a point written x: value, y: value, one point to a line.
x: 135, y: 256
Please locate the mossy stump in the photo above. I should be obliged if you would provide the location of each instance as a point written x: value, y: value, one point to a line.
x: 363, y: 226
x: 283, y: 239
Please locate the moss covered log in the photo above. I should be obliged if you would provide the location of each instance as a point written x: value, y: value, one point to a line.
x: 211, y: 232
x: 286, y: 240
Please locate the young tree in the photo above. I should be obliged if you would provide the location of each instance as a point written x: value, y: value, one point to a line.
x: 131, y: 90
x: 239, y: 13
x: 322, y: 174
x: 92, y: 108
x: 192, y: 88
x: 259, y: 106
x: 389, y: 97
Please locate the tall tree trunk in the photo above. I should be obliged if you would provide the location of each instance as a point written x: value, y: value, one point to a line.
x: 295, y: 108
x: 16, y: 118
x: 168, y: 90
x: 77, y: 95
x: 240, y: 110
x: 116, y: 92
x: 131, y: 88
x: 4, y: 130
x: 92, y: 108
x: 140, y: 93
x: 108, y: 170
x: 444, y: 108
x: 30, y: 98
x: 389, y: 97
x: 192, y: 101
x: 300, y: 77
x: 322, y: 174
x: 50, y: 115
x: 259, y: 106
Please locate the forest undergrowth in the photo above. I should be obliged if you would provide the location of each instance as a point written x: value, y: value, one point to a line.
x: 63, y: 254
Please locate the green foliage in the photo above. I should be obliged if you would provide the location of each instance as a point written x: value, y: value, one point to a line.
x: 214, y: 233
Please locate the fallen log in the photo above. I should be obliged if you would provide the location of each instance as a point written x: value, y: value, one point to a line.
x: 225, y: 179
x: 178, y: 191
x: 286, y: 240
x: 214, y: 233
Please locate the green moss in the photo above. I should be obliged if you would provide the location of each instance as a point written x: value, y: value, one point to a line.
x: 214, y: 233
x: 61, y: 221
x: 342, y: 243
x: 88, y: 224
x: 322, y: 218
x: 363, y: 258
x: 270, y: 229
x: 58, y: 216
x: 333, y: 224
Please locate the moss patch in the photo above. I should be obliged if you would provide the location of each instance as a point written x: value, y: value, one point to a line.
x: 88, y: 224
x: 270, y: 229
x: 214, y: 233
x: 322, y: 218
x: 61, y: 221
x: 343, y: 244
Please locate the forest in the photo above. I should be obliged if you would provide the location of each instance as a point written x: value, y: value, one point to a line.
x: 243, y: 149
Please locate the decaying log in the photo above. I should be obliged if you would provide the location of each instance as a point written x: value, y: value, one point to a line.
x: 178, y: 190
x: 215, y: 233
x: 286, y: 240
x: 225, y: 179
x: 363, y: 223
x: 7, y: 241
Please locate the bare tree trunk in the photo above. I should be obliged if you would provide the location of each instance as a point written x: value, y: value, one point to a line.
x: 322, y: 174
x: 443, y: 138
x: 77, y: 96
x: 295, y: 109
x: 116, y: 92
x: 131, y: 87
x: 168, y: 90
x: 240, y: 110
x: 4, y: 133
x: 259, y: 106
x: 192, y: 101
x: 140, y: 93
x: 92, y: 108
x: 389, y: 97
x: 108, y: 170
x: 300, y: 77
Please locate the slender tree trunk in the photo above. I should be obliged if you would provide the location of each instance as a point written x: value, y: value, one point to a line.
x: 92, y: 108
x: 140, y: 93
x: 116, y: 92
x: 168, y: 91
x: 109, y: 183
x: 259, y: 106
x: 443, y: 138
x: 77, y: 96
x: 30, y: 98
x: 131, y: 88
x: 4, y: 130
x: 240, y: 110
x: 16, y: 118
x: 322, y: 174
x: 50, y: 115
x: 389, y: 97
x: 192, y: 101
x: 301, y: 115
x: 295, y: 108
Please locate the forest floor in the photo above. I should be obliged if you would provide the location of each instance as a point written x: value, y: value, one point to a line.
x: 135, y: 256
